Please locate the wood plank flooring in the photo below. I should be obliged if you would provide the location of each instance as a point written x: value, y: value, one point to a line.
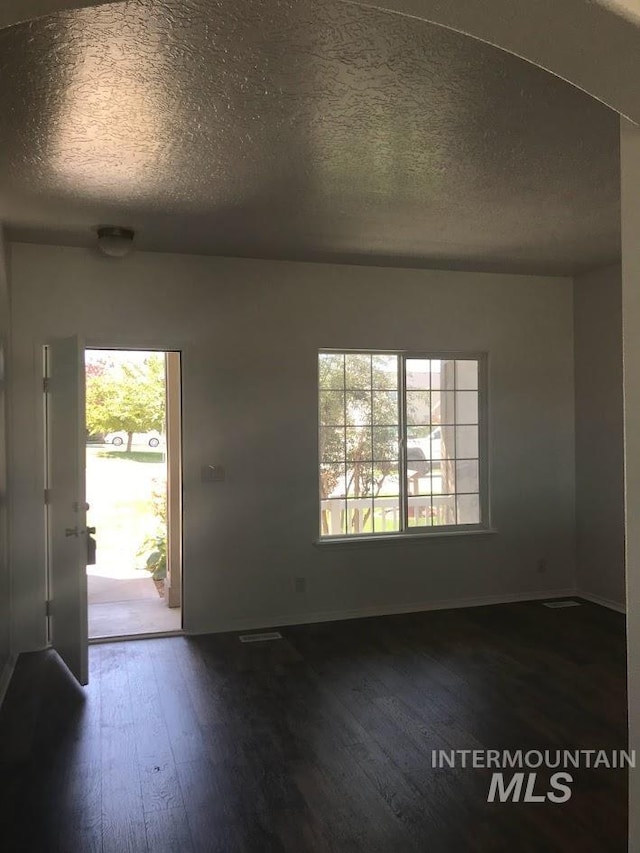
x: 319, y: 742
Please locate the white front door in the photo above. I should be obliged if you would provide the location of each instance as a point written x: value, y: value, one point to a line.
x: 68, y: 537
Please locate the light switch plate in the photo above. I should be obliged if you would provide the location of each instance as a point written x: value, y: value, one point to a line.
x: 212, y: 474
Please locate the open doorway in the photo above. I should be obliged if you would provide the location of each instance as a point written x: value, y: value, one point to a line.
x: 133, y: 490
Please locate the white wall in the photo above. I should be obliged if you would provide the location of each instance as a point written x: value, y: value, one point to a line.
x: 599, y: 436
x: 4, y: 566
x: 250, y: 332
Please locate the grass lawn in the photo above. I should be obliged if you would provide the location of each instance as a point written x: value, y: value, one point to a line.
x: 119, y: 489
x: 145, y: 456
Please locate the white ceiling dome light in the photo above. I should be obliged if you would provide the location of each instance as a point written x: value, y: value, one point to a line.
x: 114, y: 241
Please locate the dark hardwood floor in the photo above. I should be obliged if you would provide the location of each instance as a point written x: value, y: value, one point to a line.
x: 321, y: 741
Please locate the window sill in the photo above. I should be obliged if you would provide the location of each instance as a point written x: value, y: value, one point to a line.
x: 340, y: 541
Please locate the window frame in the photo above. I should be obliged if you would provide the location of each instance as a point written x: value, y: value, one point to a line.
x: 406, y: 533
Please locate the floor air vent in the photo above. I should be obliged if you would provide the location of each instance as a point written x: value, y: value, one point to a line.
x: 568, y: 602
x: 260, y: 638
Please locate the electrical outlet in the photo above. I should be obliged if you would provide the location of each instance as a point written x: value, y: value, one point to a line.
x: 541, y: 565
x: 301, y: 584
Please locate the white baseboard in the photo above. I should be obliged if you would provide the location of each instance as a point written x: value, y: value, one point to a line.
x: 5, y: 676
x: 603, y: 602
x: 254, y: 623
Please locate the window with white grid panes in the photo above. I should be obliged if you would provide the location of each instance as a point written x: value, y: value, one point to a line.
x: 400, y: 443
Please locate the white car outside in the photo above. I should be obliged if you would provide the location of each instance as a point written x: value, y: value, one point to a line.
x: 150, y: 439
x: 431, y: 447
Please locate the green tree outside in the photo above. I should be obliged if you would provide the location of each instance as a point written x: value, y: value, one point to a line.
x: 127, y: 398
x: 358, y: 428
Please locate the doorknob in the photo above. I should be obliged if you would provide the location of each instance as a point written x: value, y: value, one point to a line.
x: 75, y: 531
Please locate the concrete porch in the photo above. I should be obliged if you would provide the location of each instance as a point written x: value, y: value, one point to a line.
x: 121, y: 606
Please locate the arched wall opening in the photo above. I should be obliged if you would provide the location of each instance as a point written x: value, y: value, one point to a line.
x: 595, y: 46
x: 592, y: 45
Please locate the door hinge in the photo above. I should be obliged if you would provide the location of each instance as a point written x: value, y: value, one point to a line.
x: 48, y: 608
x: 46, y: 384
x: 47, y: 497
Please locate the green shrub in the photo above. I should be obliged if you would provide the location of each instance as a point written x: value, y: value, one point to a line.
x: 154, y: 547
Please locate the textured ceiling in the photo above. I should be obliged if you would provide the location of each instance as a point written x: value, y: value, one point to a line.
x: 295, y: 129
